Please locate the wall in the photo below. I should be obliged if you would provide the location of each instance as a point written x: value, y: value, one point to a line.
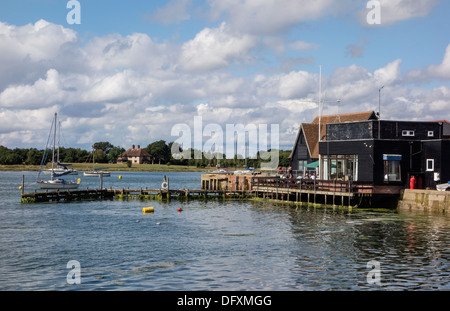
x: 363, y: 148
x: 427, y: 200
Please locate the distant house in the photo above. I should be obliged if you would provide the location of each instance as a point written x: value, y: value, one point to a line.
x: 135, y: 155
x: 305, y: 152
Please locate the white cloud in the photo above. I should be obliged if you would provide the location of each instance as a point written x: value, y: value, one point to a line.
x: 441, y: 71
x: 296, y: 84
x: 174, y: 12
x: 43, y: 93
x: 431, y: 72
x: 41, y: 41
x: 27, y: 52
x: 215, y: 48
x: 32, y: 123
x: 269, y: 17
x: 137, y: 51
x: 303, y: 46
x: 399, y: 10
x: 389, y: 74
x: 116, y: 88
x: 393, y: 11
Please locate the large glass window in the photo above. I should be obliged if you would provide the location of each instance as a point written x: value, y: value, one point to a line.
x: 392, y: 167
x: 339, y: 167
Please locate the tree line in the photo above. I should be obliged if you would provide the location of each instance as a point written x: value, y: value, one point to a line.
x: 104, y: 152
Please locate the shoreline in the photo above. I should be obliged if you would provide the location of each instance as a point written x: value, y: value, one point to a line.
x: 112, y: 168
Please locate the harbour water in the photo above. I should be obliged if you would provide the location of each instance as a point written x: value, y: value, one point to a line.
x: 213, y: 245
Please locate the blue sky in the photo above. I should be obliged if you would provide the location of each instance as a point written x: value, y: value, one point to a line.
x: 133, y: 69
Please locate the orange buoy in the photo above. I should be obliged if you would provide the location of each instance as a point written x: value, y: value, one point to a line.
x: 180, y: 209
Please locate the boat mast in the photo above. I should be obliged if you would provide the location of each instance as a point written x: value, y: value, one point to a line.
x: 54, y: 143
x: 59, y: 140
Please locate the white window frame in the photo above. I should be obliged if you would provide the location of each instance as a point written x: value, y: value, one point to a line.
x: 432, y: 165
x: 408, y: 132
x: 430, y: 133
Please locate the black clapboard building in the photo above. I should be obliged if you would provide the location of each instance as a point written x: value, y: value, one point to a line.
x: 304, y: 156
x: 387, y: 153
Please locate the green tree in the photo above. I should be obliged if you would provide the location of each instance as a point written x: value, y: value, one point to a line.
x: 114, y: 153
x: 101, y: 151
x: 159, y: 151
x: 34, y: 157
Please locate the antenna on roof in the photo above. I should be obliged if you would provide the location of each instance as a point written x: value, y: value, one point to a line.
x: 379, y: 101
x: 320, y: 98
x: 338, y: 112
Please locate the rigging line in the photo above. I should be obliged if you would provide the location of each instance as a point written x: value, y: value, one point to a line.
x: 45, y: 155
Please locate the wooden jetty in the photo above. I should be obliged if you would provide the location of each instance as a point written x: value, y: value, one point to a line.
x: 268, y: 187
x: 143, y: 194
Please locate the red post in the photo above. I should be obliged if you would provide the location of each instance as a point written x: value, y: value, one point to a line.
x: 412, y: 182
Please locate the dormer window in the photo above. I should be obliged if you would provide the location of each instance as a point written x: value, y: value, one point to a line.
x: 430, y: 133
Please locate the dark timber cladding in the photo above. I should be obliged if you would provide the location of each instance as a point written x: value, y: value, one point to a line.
x: 388, y: 153
x: 306, y: 145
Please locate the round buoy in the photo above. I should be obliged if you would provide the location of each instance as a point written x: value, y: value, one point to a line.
x: 180, y: 209
x: 120, y: 176
x: 20, y: 187
x: 148, y: 210
x: 79, y: 180
x: 165, y: 186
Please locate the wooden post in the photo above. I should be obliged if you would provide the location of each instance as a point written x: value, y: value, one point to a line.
x: 23, y: 183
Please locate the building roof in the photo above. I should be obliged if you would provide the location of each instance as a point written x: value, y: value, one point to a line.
x: 135, y: 152
x: 311, y: 130
x: 346, y: 117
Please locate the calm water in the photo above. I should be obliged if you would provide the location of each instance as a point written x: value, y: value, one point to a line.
x: 212, y: 245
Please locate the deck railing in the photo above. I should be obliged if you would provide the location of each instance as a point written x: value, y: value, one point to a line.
x: 313, y: 184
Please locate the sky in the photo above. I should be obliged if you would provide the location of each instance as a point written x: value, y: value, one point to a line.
x: 131, y: 71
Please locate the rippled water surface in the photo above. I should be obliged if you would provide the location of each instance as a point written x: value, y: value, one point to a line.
x: 213, y: 245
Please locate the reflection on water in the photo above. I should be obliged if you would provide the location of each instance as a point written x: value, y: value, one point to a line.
x: 215, y: 245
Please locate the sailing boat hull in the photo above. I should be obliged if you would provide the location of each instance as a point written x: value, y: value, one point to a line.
x: 57, y: 184
x: 60, y: 171
x: 96, y: 174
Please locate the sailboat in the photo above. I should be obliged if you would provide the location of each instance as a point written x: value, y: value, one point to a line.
x: 55, y: 181
x: 96, y: 171
x: 60, y: 168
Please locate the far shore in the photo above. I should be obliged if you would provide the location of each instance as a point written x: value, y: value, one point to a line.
x: 114, y: 167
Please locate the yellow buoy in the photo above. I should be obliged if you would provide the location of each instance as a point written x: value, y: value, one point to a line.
x: 148, y: 210
x: 20, y: 187
x: 120, y: 176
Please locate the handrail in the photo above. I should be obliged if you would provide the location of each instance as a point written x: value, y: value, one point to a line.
x: 312, y: 184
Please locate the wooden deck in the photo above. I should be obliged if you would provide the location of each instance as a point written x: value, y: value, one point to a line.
x: 105, y: 194
x: 323, y: 192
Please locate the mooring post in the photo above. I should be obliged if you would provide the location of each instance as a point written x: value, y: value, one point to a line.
x: 23, y: 184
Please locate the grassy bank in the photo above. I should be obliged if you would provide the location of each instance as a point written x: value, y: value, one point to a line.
x: 114, y: 167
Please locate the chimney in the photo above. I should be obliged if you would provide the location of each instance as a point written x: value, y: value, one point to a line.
x: 139, y: 146
x: 132, y: 147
